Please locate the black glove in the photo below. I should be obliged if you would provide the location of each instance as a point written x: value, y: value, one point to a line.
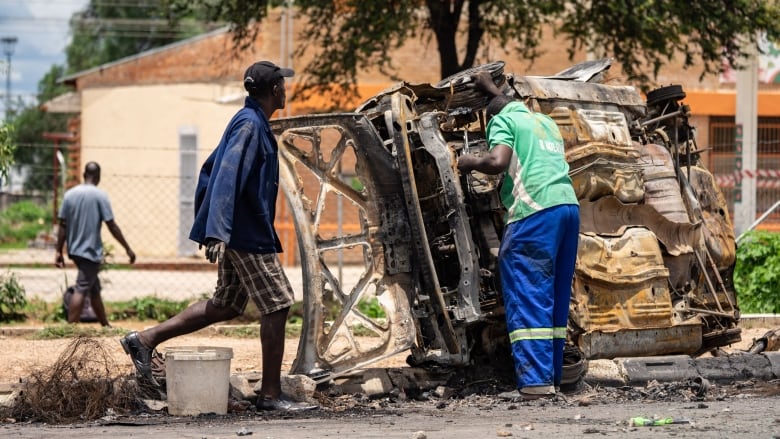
x: 215, y: 250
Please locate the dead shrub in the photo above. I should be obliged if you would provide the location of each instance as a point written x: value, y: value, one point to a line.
x: 81, y: 386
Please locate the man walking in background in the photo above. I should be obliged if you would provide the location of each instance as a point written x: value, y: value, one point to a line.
x: 539, y: 247
x: 84, y: 209
x: 235, y: 206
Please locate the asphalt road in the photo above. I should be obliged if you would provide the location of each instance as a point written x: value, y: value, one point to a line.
x: 740, y: 416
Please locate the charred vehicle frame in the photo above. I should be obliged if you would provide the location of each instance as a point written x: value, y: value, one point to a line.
x: 656, y: 252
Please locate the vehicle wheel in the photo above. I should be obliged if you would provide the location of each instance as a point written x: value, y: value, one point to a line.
x: 664, y: 94
x: 460, y: 79
x: 463, y: 94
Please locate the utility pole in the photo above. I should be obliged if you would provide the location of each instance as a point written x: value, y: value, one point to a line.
x: 286, y: 47
x: 8, y: 50
x: 746, y: 141
x: 58, y: 168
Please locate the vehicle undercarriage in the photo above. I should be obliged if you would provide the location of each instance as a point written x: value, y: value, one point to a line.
x: 656, y: 250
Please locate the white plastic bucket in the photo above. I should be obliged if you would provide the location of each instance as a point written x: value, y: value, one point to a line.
x: 197, y: 379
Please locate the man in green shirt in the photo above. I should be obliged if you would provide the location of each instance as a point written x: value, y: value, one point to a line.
x: 539, y: 247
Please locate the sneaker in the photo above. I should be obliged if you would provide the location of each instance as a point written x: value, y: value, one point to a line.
x: 283, y: 403
x: 140, y: 354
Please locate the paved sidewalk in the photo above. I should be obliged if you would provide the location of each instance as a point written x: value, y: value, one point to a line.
x: 120, y: 285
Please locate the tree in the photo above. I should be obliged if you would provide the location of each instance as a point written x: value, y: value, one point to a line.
x: 107, y: 31
x: 29, y: 126
x: 757, y: 272
x: 102, y: 32
x: 641, y: 35
x: 7, y: 148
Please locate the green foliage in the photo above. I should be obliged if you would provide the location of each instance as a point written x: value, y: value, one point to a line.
x: 757, y: 273
x: 102, y: 32
x: 22, y: 221
x: 33, y: 151
x: 12, y: 298
x: 291, y: 329
x: 242, y: 331
x: 371, y: 308
x: 7, y: 148
x: 356, y: 184
x: 145, y: 308
x: 238, y: 13
x: 348, y: 37
x: 361, y: 331
x: 107, y: 31
x: 73, y: 331
x: 42, y: 311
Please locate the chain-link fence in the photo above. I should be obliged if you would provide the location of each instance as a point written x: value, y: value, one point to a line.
x: 151, y: 190
x: 154, y: 211
x: 723, y: 164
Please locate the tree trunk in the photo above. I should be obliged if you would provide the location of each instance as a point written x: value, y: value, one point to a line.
x: 444, y: 17
x: 474, y: 36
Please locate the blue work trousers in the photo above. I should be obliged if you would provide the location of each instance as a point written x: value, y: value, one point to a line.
x: 537, y: 258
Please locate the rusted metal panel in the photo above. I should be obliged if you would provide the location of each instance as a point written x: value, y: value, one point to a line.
x: 608, y: 216
x: 644, y: 342
x: 595, y: 135
x: 625, y: 183
x: 718, y: 230
x: 621, y: 285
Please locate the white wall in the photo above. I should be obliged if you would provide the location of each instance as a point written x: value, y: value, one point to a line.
x: 133, y: 133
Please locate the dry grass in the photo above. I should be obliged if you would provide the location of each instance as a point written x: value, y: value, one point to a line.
x: 82, y: 385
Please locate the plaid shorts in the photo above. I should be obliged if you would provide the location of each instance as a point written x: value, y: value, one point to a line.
x: 260, y: 276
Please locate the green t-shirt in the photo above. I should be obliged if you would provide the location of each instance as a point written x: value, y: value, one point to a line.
x: 538, y: 176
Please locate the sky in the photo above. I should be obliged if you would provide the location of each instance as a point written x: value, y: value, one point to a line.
x: 41, y: 27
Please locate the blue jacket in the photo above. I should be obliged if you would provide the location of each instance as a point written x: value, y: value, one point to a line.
x: 235, y: 200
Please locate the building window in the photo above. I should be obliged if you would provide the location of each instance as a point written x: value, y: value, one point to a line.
x: 188, y: 172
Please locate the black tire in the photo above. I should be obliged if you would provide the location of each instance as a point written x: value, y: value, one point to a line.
x: 459, y: 80
x: 663, y: 94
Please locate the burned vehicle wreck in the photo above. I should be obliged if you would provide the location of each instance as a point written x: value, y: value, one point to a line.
x: 656, y: 250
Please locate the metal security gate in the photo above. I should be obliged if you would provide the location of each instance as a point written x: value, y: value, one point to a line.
x: 722, y: 163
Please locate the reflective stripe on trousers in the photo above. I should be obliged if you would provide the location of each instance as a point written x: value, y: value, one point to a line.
x: 536, y: 263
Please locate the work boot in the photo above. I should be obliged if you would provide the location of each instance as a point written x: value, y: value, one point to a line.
x: 140, y: 354
x: 519, y: 396
x: 283, y: 403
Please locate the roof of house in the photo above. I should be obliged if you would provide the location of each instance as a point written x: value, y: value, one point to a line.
x: 172, y: 46
x: 210, y: 56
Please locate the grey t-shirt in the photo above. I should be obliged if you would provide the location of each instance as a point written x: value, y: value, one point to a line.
x: 84, y: 209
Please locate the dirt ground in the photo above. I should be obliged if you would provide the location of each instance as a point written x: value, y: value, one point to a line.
x: 730, y: 410
x: 21, y: 354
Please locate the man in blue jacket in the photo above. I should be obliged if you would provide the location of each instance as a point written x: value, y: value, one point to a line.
x: 235, y: 205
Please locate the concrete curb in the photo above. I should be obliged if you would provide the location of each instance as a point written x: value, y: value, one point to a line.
x: 641, y: 370
x: 774, y: 362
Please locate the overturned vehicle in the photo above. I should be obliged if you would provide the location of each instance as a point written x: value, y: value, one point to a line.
x: 656, y: 251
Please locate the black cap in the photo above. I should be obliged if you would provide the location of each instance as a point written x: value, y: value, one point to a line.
x: 264, y: 73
